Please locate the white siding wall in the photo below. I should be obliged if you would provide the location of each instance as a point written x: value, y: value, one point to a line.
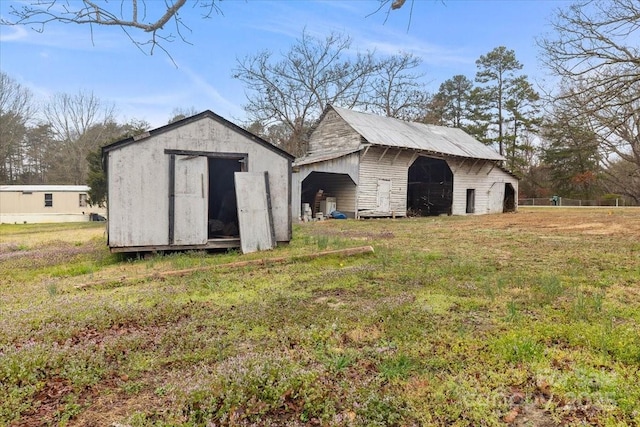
x: 333, y: 133
x: 340, y: 186
x: 375, y: 166
x: 489, y: 185
x: 139, y: 180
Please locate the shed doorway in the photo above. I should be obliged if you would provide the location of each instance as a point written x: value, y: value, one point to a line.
x: 223, y: 210
x: 509, y: 198
x: 430, y: 187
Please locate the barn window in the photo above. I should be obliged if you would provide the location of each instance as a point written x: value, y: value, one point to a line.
x: 82, y: 200
x: 48, y: 200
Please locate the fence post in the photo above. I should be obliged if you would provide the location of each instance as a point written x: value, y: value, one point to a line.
x: 616, y: 202
x: 559, y: 201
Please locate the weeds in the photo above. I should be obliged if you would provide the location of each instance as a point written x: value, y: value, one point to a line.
x: 444, y: 325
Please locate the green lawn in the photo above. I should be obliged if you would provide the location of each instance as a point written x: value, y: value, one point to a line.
x: 524, y: 319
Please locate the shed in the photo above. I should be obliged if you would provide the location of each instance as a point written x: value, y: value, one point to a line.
x: 46, y: 203
x: 368, y: 166
x: 198, y: 183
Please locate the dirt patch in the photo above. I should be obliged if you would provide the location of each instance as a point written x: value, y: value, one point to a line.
x: 46, y: 403
x: 607, y: 221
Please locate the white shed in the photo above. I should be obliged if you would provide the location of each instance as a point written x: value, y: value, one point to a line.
x: 199, y: 183
x: 368, y: 165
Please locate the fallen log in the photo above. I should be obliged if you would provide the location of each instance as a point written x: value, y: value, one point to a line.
x: 238, y: 264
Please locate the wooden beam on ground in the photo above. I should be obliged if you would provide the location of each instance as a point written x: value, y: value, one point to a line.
x: 161, y: 275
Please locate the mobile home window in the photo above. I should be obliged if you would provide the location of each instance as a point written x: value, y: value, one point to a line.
x: 48, y: 200
x: 83, y: 201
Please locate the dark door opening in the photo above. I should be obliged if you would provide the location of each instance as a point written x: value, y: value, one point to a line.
x: 471, y: 200
x: 223, y: 210
x: 509, y: 198
x: 430, y: 187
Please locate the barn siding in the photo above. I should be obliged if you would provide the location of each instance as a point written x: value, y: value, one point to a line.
x: 138, y: 196
x: 331, y: 134
x: 342, y: 186
x: 488, y: 182
x: 375, y: 166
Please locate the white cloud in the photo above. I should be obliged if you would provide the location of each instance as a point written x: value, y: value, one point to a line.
x: 203, y: 87
x: 14, y: 33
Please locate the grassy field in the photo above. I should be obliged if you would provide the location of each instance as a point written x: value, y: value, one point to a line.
x: 527, y: 319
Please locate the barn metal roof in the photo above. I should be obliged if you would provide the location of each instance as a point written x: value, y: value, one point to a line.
x: 390, y: 132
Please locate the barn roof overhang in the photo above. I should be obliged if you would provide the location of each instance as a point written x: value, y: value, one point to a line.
x: 365, y: 146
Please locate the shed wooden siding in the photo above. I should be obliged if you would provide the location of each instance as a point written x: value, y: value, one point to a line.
x: 139, y: 195
x: 333, y: 134
x: 394, y: 166
x: 487, y: 181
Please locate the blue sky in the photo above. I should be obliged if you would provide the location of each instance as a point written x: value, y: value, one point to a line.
x: 448, y: 35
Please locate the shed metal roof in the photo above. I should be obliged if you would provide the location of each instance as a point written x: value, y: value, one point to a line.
x: 390, y: 132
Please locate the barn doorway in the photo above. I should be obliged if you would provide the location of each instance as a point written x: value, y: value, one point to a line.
x: 430, y: 187
x: 471, y: 201
x: 223, y: 210
x: 509, y: 198
x: 327, y: 191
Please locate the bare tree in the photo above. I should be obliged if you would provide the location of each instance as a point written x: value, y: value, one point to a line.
x: 16, y: 109
x: 154, y: 23
x: 180, y: 113
x: 79, y: 125
x: 397, y: 90
x: 158, y: 22
x: 594, y: 49
x: 295, y: 90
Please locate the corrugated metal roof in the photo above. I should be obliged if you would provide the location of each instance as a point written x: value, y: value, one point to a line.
x: 42, y: 188
x: 390, y: 132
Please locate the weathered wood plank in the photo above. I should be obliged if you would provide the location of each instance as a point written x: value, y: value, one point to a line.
x: 254, y: 214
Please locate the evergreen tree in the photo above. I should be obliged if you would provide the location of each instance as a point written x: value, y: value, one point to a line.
x: 497, y: 70
x: 571, y: 154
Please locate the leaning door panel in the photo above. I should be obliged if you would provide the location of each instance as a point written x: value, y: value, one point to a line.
x: 254, y: 211
x: 191, y: 201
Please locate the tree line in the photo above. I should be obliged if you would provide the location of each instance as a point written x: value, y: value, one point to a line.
x: 583, y: 141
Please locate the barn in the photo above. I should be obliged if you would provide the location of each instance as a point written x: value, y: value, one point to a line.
x: 198, y: 183
x: 46, y: 203
x: 365, y: 165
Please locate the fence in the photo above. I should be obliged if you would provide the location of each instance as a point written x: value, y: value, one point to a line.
x: 563, y: 201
